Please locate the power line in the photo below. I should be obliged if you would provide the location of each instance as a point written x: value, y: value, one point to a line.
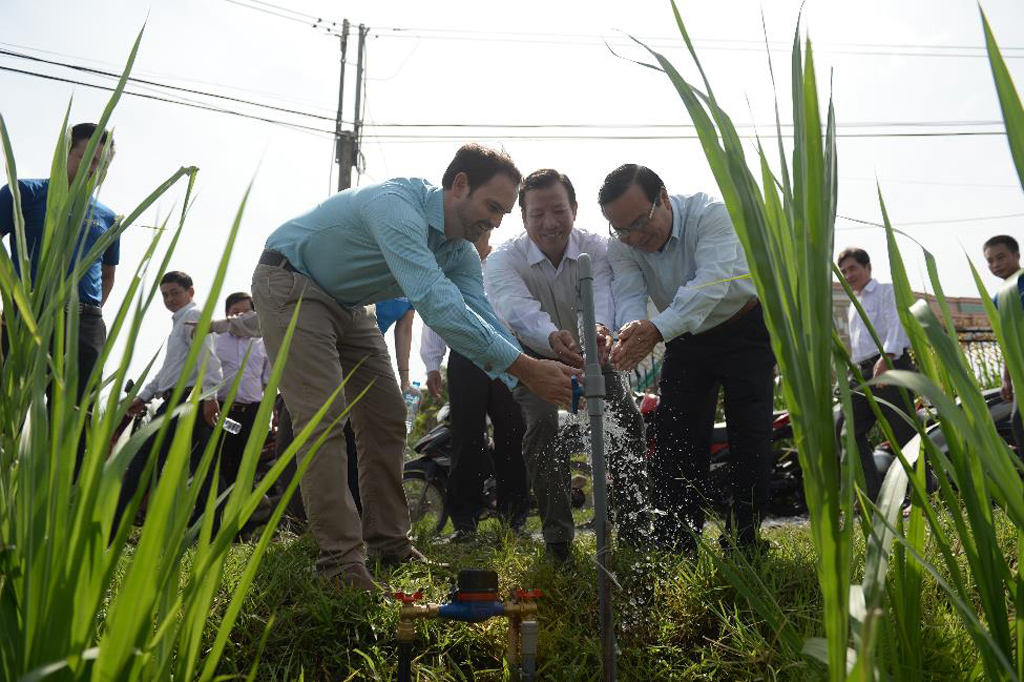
x: 944, y: 221
x: 176, y: 77
x: 585, y: 138
x: 297, y: 126
x: 533, y: 35
x: 192, y: 91
x: 632, y: 126
x: 661, y: 42
x: 433, y: 137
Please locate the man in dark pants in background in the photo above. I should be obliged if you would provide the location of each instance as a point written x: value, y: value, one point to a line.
x: 178, y: 293
x: 472, y: 398
x: 879, y: 302
x: 232, y: 351
x: 682, y: 251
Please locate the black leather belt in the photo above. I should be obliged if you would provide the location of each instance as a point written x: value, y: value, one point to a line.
x: 274, y: 259
x: 86, y: 309
x: 244, y: 407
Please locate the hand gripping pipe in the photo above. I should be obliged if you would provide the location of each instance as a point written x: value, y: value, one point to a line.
x: 593, y: 383
x: 475, y: 601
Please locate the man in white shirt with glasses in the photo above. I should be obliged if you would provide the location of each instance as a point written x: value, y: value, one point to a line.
x: 682, y: 252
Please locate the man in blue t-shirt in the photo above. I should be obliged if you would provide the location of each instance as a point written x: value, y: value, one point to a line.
x: 98, y: 280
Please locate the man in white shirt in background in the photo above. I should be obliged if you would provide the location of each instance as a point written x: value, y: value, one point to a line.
x: 177, y: 291
x: 879, y: 302
x: 533, y: 280
x: 1002, y: 254
x: 232, y: 351
x: 683, y: 252
x: 472, y: 398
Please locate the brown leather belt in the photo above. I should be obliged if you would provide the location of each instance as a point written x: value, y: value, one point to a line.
x: 747, y: 307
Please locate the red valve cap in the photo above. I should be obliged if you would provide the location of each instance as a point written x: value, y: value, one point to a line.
x: 408, y: 598
x: 528, y: 595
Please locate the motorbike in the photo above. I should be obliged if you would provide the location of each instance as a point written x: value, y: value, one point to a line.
x: 787, y: 495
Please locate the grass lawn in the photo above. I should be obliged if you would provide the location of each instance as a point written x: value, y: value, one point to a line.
x: 679, y: 619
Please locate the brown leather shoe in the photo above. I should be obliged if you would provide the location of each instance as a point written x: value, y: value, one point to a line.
x: 355, y: 576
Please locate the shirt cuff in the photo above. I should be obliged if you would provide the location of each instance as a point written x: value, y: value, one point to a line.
x: 498, y: 357
x: 432, y: 365
x: 670, y: 324
x: 890, y: 347
x: 539, y: 340
x: 146, y: 394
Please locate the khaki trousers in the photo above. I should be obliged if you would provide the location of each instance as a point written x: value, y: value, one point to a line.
x: 548, y: 465
x: 329, y: 343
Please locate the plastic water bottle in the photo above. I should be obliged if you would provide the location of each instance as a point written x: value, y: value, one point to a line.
x: 412, y: 405
x: 232, y: 427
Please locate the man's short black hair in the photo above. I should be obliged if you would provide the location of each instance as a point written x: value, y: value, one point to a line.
x: 177, y: 277
x: 238, y: 297
x: 480, y: 164
x: 543, y: 179
x: 857, y: 254
x: 84, y: 132
x: 1004, y: 239
x: 623, y: 177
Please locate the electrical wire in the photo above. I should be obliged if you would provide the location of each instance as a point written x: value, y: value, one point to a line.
x: 157, y: 98
x: 158, y: 74
x: 192, y: 91
x: 944, y: 221
x: 661, y: 42
x: 436, y: 137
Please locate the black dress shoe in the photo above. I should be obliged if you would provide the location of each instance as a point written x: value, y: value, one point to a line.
x: 752, y: 550
x: 462, y: 536
x: 559, y: 552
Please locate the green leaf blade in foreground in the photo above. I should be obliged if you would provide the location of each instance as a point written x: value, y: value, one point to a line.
x: 1009, y: 99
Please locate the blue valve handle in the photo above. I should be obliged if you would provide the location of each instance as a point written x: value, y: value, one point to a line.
x: 577, y: 393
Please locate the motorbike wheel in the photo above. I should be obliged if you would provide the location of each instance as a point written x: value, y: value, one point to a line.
x: 426, y: 503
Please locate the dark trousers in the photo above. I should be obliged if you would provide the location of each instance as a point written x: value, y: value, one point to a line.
x: 232, y: 446
x: 737, y: 357
x: 864, y: 419
x: 201, y: 433
x: 92, y: 335
x: 472, y: 397
x: 548, y: 461
x: 1018, y: 426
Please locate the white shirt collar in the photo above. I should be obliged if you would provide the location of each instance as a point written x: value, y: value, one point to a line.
x: 182, y: 310
x: 534, y: 255
x: 869, y: 287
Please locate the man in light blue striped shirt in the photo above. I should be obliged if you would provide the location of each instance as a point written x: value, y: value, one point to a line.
x: 361, y: 246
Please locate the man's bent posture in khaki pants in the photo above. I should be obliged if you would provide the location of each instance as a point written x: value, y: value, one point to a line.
x: 361, y: 246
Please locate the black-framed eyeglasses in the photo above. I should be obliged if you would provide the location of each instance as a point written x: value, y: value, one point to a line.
x: 640, y: 224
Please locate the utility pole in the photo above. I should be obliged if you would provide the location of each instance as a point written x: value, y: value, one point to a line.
x: 344, y: 142
x: 347, y: 141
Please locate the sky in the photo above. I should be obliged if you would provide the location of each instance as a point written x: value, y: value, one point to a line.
x: 913, y: 66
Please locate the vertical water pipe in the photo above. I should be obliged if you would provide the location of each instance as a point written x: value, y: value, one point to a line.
x: 594, y: 391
